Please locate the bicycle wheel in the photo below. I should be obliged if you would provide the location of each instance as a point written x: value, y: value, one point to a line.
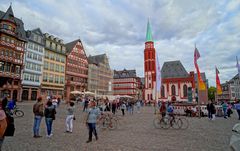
x: 156, y: 122
x: 19, y: 113
x: 185, y: 123
x: 165, y: 123
x: 112, y: 124
x: 176, y: 123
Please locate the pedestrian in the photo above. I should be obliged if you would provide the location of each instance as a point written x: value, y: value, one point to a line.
x: 237, y: 107
x: 209, y: 110
x: 114, y: 106
x: 70, y: 118
x: 38, y: 114
x: 123, y: 108
x: 91, y: 120
x: 138, y: 106
x: 49, y: 113
x: 55, y: 102
x: 85, y: 104
x: 229, y: 109
x: 212, y: 110
x: 224, y: 107
x: 3, y: 124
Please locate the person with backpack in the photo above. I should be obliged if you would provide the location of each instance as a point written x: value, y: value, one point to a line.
x: 49, y: 113
x: 38, y: 114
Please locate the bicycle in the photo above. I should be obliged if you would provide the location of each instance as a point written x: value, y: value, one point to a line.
x: 171, y: 121
x: 107, y: 121
x: 17, y: 112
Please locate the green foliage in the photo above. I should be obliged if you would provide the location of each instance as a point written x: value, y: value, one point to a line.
x: 211, y: 93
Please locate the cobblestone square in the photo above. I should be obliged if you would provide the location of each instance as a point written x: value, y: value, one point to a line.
x: 135, y: 133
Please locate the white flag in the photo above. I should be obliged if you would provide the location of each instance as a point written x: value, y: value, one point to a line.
x: 158, y: 75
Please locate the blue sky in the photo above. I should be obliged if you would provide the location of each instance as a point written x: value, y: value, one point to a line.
x: 118, y: 28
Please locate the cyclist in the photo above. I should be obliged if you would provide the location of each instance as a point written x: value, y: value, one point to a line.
x: 170, y: 112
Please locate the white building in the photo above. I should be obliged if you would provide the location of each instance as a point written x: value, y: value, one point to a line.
x: 33, y: 65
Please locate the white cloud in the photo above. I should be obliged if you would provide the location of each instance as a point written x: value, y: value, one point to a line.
x: 118, y: 28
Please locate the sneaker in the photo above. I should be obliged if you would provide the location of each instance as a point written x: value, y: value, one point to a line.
x: 88, y: 141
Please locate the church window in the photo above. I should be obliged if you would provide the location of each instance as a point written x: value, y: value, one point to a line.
x: 185, y: 90
x: 163, y: 91
x: 173, y: 90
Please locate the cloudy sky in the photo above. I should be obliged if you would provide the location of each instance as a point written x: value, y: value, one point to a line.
x: 118, y: 28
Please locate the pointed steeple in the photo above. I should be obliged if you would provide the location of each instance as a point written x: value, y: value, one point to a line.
x: 9, y: 14
x: 149, y: 33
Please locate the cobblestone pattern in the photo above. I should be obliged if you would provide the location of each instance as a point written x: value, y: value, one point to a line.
x: 135, y: 133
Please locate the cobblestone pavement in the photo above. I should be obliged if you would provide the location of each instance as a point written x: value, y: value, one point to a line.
x: 135, y: 133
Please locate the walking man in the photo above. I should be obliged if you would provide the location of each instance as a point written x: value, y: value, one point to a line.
x: 92, y: 116
x: 38, y: 114
x: 237, y: 107
x: 209, y: 111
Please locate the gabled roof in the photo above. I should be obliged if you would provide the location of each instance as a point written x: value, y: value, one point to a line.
x: 69, y: 46
x: 173, y: 69
x: 97, y: 59
x: 234, y: 78
x: 203, y: 75
x: 124, y: 74
x: 38, y: 31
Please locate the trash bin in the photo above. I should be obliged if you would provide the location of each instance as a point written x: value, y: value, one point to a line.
x: 235, y: 139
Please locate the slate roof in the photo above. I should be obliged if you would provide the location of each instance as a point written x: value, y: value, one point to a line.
x: 124, y: 74
x: 173, y: 69
x: 21, y: 34
x: 69, y: 46
x: 97, y: 59
x: 203, y: 75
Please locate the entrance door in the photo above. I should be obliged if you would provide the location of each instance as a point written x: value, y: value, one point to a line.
x: 25, y: 95
x: 15, y: 94
x: 34, y: 95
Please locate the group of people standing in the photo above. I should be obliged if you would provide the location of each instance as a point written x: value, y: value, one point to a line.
x: 226, y: 109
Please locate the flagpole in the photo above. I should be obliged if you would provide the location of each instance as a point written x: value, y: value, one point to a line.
x: 199, y: 112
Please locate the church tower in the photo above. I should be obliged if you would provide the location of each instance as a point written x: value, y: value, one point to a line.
x: 149, y: 66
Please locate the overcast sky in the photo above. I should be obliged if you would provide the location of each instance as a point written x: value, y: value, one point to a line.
x: 118, y: 28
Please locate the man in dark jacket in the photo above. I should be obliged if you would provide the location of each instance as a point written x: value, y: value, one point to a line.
x: 49, y: 113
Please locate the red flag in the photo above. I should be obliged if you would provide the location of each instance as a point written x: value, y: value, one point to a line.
x: 218, y: 84
x: 201, y: 84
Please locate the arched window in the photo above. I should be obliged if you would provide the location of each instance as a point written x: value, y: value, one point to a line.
x: 173, y: 90
x: 185, y: 90
x: 162, y: 91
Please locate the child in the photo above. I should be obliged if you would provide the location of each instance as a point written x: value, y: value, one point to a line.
x: 70, y: 118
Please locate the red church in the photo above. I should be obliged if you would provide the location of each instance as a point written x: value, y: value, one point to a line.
x: 177, y: 84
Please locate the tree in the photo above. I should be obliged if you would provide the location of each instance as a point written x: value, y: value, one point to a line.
x: 211, y: 93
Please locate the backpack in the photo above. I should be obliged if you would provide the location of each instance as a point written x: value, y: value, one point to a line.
x: 170, y: 109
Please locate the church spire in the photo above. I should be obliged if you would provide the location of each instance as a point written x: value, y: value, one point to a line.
x: 149, y: 33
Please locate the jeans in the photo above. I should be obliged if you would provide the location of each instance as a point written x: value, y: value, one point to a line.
x: 238, y: 111
x: 36, y: 125
x: 225, y: 113
x: 69, y: 123
x: 92, y: 129
x: 49, y: 122
x: 209, y: 115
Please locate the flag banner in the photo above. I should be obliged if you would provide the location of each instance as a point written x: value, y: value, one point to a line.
x: 201, y: 84
x: 158, y: 75
x: 238, y: 67
x: 218, y: 84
